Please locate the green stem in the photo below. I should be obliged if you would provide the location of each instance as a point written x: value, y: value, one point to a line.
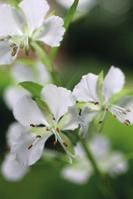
x: 42, y: 55
x: 104, y: 185
x: 90, y: 157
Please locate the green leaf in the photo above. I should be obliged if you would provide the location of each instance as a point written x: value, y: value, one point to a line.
x: 70, y: 14
x: 118, y: 96
x: 32, y: 87
x: 100, y: 87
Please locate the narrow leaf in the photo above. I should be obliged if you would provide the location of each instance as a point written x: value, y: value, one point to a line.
x: 68, y: 19
x: 32, y: 87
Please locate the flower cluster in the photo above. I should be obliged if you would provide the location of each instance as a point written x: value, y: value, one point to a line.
x: 44, y: 110
x: 110, y: 162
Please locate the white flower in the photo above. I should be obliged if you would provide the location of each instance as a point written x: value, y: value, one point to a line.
x: 35, y: 73
x: 109, y: 162
x: 79, y: 171
x: 28, y: 23
x: 84, y: 5
x: 11, y: 169
x: 56, y: 113
x: 87, y: 94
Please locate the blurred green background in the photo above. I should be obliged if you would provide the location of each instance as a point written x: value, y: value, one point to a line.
x: 100, y: 38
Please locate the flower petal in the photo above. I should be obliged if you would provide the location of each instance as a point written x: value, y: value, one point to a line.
x: 58, y: 99
x: 99, y: 146
x: 15, y: 133
x: 76, y: 175
x: 12, y: 94
x: 86, y: 89
x: 22, y: 73
x: 12, y: 170
x: 70, y: 120
x: 30, y: 148
x: 35, y: 11
x: 52, y: 31
x: 27, y: 112
x: 85, y: 120
x: 113, y: 82
x: 8, y: 25
x: 8, y: 52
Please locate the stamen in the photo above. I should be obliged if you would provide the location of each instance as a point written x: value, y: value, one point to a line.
x: 58, y: 130
x: 32, y: 125
x: 127, y: 122
x: 96, y: 103
x: 29, y: 147
x: 38, y: 136
x: 65, y: 144
x: 54, y: 142
x: 100, y: 122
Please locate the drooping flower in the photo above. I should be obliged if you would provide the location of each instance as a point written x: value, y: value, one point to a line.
x: 110, y: 162
x: 11, y: 169
x: 99, y: 99
x: 29, y: 23
x: 52, y: 115
x: 19, y: 73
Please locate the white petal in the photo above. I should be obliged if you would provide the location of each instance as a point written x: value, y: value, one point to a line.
x: 15, y: 133
x: 12, y: 94
x: 8, y: 24
x: 86, y: 89
x: 114, y: 164
x: 52, y: 31
x: 35, y: 11
x: 27, y: 112
x: 85, y: 120
x: 43, y: 76
x: 113, y: 82
x: 99, y: 146
x: 58, y: 99
x: 28, y: 156
x: 76, y: 175
x: 12, y: 170
x: 70, y: 120
x: 7, y: 52
x: 22, y: 73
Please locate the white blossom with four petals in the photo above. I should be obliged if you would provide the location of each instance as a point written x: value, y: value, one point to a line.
x: 86, y: 92
x: 111, y: 162
x: 60, y: 116
x: 29, y: 23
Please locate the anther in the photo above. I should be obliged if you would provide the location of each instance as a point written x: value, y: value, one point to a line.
x: 38, y: 136
x: 100, y: 122
x: 54, y: 142
x: 96, y: 103
x: 58, y: 130
x: 29, y: 147
x: 127, y: 122
x: 32, y: 125
x: 64, y: 143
